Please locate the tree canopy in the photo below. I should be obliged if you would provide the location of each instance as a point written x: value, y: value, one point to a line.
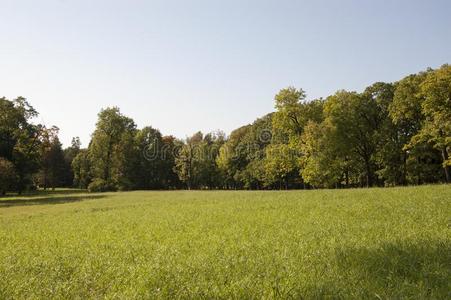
x: 389, y: 134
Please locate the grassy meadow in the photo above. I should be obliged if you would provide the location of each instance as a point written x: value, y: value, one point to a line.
x: 359, y: 243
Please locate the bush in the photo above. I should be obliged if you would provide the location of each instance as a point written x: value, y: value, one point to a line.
x: 124, y: 184
x: 99, y: 185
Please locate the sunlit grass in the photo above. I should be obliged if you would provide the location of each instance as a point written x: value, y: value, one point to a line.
x: 365, y: 243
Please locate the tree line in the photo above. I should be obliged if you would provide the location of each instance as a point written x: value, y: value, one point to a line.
x: 390, y: 134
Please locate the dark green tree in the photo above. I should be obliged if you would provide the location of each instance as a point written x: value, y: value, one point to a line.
x: 81, y: 167
x: 19, y: 139
x: 110, y: 148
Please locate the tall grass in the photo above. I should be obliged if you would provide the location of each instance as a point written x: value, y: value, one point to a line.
x: 365, y: 243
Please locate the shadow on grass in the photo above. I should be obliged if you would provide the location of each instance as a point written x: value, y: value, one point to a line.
x: 47, y: 200
x: 404, y: 269
x: 40, y: 193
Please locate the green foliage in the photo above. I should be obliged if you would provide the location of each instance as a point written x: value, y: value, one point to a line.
x: 69, y: 155
x: 355, y: 121
x: 436, y: 90
x: 390, y: 134
x: 149, y: 168
x: 293, y: 112
x: 196, y: 163
x: 125, y: 158
x: 341, y: 244
x: 52, y: 159
x: 405, y: 109
x: 99, y: 185
x: 19, y: 139
x: 7, y: 176
x: 81, y: 167
x: 185, y: 161
x: 383, y: 136
x: 279, y: 163
x: 107, y: 149
x: 288, y: 103
x: 231, y: 159
x: 322, y: 162
x: 241, y: 157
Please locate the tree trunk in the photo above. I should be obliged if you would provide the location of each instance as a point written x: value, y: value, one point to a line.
x: 369, y: 177
x: 45, y: 179
x: 446, y: 168
x: 404, y: 173
x: 419, y: 174
x: 347, y: 178
x: 106, y: 171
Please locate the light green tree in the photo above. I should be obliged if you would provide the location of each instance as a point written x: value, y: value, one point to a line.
x: 280, y: 162
x: 436, y: 107
x: 420, y: 159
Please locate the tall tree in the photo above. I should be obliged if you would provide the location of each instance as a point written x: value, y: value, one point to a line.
x: 113, y: 131
x: 324, y: 161
x: 69, y: 154
x: 19, y: 139
x: 240, y: 158
x: 436, y: 107
x: 232, y: 158
x: 196, y: 162
x: 151, y: 171
x: 293, y: 112
x: 419, y: 156
x: 207, y: 168
x: 52, y: 159
x: 288, y: 104
x: 169, y: 151
x: 185, y: 160
x: 280, y: 162
x: 355, y: 118
x: 390, y: 158
x: 81, y: 167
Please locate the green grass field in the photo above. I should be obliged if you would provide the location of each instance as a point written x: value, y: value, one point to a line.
x: 362, y: 243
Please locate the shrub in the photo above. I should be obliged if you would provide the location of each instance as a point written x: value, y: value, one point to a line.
x: 99, y: 185
x: 124, y: 184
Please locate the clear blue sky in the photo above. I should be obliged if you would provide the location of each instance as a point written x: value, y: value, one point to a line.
x: 183, y: 66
